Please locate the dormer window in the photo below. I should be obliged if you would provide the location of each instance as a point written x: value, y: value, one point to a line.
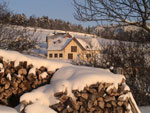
x: 59, y: 41
x: 87, y: 46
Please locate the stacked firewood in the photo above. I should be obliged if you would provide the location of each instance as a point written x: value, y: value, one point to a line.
x: 97, y: 98
x: 16, y: 80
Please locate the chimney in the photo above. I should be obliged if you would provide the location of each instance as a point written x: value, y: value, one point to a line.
x: 67, y: 35
x: 48, y: 40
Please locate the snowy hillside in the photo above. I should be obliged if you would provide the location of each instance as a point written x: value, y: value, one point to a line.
x: 41, y: 48
x: 41, y: 34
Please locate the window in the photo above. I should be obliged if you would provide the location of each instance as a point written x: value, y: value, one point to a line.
x: 73, y: 48
x: 50, y: 55
x: 88, y: 55
x: 55, y: 55
x: 70, y: 56
x: 78, y: 55
x: 60, y: 55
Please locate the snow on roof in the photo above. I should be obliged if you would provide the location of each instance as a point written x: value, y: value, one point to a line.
x: 55, y: 35
x: 83, y: 43
x: 37, y: 62
x: 89, y: 43
x: 59, y: 43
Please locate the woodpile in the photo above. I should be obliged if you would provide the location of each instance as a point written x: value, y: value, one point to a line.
x: 97, y: 98
x: 16, y: 80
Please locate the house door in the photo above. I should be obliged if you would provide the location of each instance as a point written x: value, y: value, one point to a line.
x: 70, y: 56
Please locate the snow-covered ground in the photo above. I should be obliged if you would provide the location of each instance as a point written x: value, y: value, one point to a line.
x: 145, y: 109
x: 38, y: 108
x: 5, y: 109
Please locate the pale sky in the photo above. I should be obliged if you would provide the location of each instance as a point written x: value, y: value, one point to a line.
x: 55, y: 9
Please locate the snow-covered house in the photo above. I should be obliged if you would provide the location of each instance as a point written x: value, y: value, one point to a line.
x: 64, y: 46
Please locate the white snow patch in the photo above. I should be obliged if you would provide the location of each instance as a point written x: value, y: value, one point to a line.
x: 129, y: 107
x: 145, y: 109
x: 32, y: 71
x: 9, y: 76
x: 1, y: 65
x: 38, y: 108
x: 59, y: 43
x: 5, y: 109
x: 85, y: 75
x: 89, y: 43
x: 18, y: 75
x: 115, y: 85
x: 2, y: 70
x: 43, y: 75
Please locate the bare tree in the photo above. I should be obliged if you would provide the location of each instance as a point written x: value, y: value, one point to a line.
x: 3, y: 8
x: 124, y: 12
x: 5, y: 13
x: 16, y: 38
x: 132, y: 60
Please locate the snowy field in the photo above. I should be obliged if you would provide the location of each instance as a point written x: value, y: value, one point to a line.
x: 41, y: 47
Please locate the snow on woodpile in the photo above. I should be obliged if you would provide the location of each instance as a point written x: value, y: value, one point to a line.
x: 37, y: 62
x: 79, y: 89
x: 21, y: 73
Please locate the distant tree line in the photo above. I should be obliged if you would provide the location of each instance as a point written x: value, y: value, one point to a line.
x: 7, y: 17
x: 109, y: 32
x: 125, y: 33
x: 42, y: 22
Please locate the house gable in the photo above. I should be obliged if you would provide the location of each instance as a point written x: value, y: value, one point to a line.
x: 77, y: 42
x: 73, y: 50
